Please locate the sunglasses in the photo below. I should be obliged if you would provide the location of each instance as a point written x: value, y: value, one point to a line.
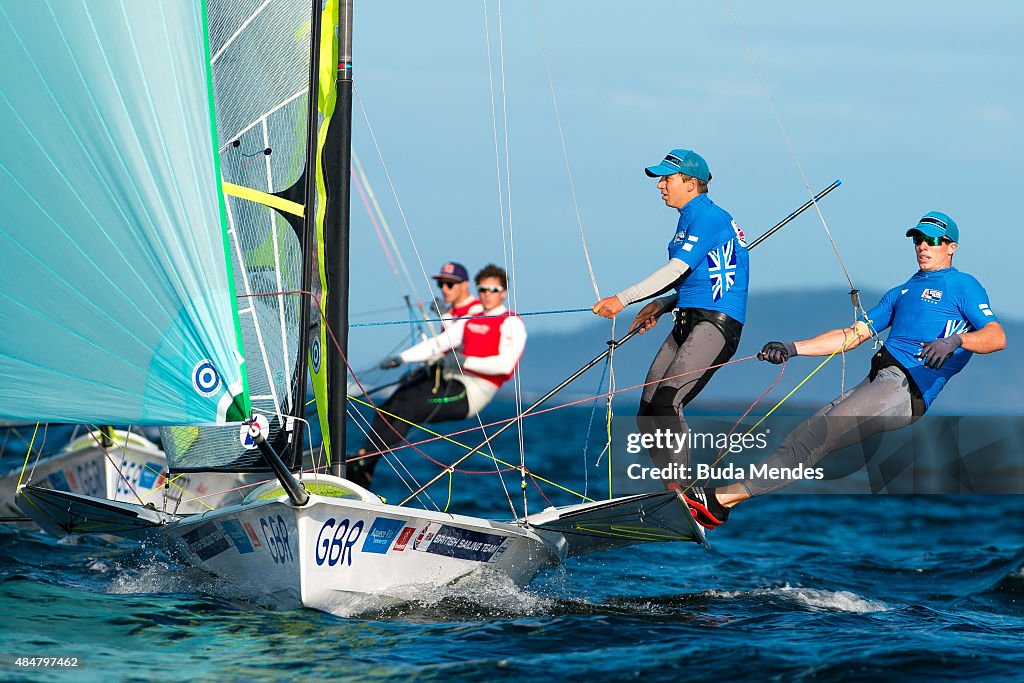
x: 490, y: 290
x: 445, y: 284
x: 930, y: 241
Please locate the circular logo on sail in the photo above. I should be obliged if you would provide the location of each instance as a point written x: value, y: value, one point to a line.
x: 314, y: 354
x: 205, y: 378
x: 243, y: 434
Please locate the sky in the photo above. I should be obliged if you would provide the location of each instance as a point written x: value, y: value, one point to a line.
x: 911, y: 104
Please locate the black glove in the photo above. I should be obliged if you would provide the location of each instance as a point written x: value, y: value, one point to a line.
x: 937, y: 352
x: 392, y: 362
x: 777, y: 352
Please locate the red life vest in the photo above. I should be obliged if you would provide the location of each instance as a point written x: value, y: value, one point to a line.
x: 466, y: 309
x: 482, y: 338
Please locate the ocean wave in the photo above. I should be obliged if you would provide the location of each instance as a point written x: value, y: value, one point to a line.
x: 833, y: 601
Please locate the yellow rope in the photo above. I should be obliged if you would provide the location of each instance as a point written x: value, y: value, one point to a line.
x: 468, y: 448
x: 191, y: 496
x: 24, y: 465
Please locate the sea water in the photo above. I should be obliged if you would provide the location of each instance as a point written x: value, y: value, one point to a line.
x: 797, y: 587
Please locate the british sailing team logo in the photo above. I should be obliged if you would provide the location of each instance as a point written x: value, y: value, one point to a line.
x: 205, y: 378
x: 739, y: 234
x: 722, y: 269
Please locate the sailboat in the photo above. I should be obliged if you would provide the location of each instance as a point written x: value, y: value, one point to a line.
x: 178, y: 239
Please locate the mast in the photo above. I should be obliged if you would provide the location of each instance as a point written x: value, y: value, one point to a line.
x: 337, y: 167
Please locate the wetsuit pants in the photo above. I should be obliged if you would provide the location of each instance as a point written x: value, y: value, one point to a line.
x: 424, y: 399
x: 680, y: 370
x: 883, y: 402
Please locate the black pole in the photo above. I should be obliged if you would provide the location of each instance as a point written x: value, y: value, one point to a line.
x: 292, y: 487
x: 338, y: 164
x: 612, y: 345
x: 810, y: 202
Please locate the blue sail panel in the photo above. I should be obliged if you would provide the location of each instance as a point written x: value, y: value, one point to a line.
x: 117, y: 302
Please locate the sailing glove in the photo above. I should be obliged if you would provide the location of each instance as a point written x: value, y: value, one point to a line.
x: 937, y: 352
x: 777, y: 352
x: 392, y: 362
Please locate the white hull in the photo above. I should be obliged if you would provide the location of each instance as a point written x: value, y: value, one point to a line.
x: 132, y: 470
x: 351, y: 555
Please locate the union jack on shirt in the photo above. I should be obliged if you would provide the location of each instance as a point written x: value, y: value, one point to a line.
x: 722, y: 269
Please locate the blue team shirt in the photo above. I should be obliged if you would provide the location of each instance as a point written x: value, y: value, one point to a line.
x: 929, y: 306
x: 708, y: 240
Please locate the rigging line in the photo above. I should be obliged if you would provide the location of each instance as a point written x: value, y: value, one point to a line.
x: 789, y: 144
x: 443, y: 437
x: 394, y: 451
x: 332, y: 339
x: 364, y: 426
x: 373, y: 221
x: 565, y: 150
x: 117, y: 468
x: 590, y: 426
x: 234, y: 36
x: 394, y: 190
x: 28, y: 455
x: 467, y: 317
x: 609, y: 412
x: 42, y: 447
x: 358, y: 166
x: 494, y: 129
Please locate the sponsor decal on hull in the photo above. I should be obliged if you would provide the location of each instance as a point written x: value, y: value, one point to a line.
x: 206, y: 541
x: 233, y: 528
x: 403, y: 538
x: 382, y: 532
x: 464, y: 544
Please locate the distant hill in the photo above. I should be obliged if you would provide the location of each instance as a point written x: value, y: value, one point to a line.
x: 990, y: 385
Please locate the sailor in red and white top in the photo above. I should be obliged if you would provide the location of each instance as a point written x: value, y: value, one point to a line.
x: 453, y: 280
x: 488, y: 347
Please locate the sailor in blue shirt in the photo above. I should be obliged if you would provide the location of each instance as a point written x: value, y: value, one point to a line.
x: 938, y: 319
x: 707, y: 274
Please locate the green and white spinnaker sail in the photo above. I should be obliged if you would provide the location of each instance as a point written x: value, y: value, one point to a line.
x: 117, y: 304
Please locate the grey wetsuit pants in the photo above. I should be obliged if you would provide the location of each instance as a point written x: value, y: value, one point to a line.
x: 875, y: 405
x: 679, y: 371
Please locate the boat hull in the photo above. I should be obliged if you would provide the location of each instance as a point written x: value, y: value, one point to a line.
x: 349, y: 556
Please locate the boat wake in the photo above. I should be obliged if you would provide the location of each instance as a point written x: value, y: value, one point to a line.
x: 480, y: 596
x: 148, y: 572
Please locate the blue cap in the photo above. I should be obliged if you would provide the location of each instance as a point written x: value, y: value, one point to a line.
x: 453, y: 272
x: 936, y: 224
x: 681, y: 161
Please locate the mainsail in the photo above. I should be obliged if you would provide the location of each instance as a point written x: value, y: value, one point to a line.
x: 119, y: 306
x: 262, y: 122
